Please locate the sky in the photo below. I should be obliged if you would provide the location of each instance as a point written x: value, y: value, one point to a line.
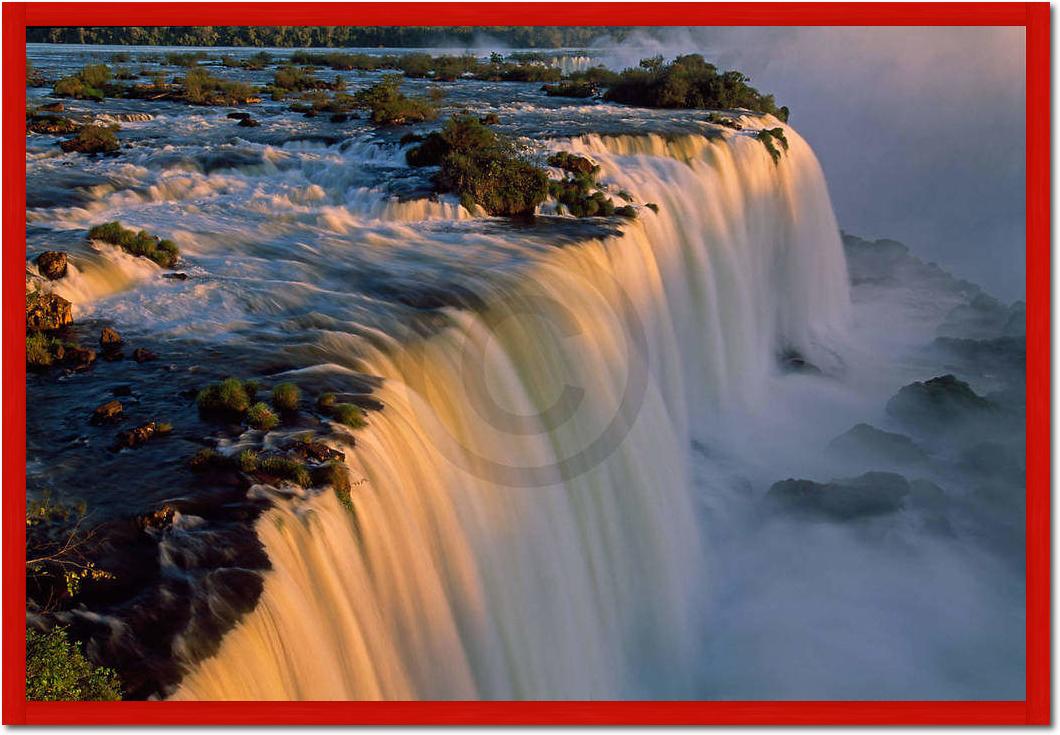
x: 920, y: 131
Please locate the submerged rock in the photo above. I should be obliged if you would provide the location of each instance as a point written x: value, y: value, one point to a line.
x: 46, y: 312
x: 141, y: 435
x: 109, y: 338
x: 248, y: 122
x: 238, y: 116
x: 52, y: 264
x: 142, y: 354
x: 870, y: 494
x: 176, y: 276
x: 869, y: 443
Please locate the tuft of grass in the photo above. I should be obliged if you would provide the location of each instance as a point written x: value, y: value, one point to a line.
x: 349, y: 415
x: 142, y: 243
x: 230, y: 398
x: 286, y: 397
x: 260, y: 416
x: 248, y: 460
x: 204, y: 459
x: 326, y: 402
x: 286, y: 469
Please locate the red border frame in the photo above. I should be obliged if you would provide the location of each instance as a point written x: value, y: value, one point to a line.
x: 1034, y: 710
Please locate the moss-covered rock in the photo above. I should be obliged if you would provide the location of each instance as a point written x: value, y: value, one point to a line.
x: 46, y: 312
x: 92, y: 139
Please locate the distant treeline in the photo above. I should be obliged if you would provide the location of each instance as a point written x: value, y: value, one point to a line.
x: 327, y: 36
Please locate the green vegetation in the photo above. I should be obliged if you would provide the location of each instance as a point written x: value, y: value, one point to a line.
x: 573, y: 163
x: 389, y: 106
x: 261, y: 417
x: 770, y: 137
x: 688, y: 82
x: 325, y: 36
x: 286, y: 397
x: 41, y: 350
x: 285, y: 469
x: 88, y: 84
x: 228, y: 399
x: 202, y: 88
x: 482, y: 168
x: 93, y: 139
x: 177, y: 58
x: 257, y: 62
x: 142, y: 243
x: 579, y: 193
x: 326, y: 402
x: 57, y: 670
x: 579, y: 90
x: 349, y: 415
x: 248, y: 461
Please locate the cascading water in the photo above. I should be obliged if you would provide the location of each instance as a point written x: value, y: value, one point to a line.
x: 523, y: 522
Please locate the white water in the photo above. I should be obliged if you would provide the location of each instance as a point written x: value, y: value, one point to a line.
x: 524, y: 513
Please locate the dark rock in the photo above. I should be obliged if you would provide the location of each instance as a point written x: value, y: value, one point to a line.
x: 340, y: 117
x: 159, y: 518
x: 490, y: 118
x: 248, y: 122
x: 46, y: 312
x: 51, y: 107
x: 176, y: 276
x: 865, y: 442
x: 121, y: 390
x: 141, y: 435
x: 871, y: 494
x: 52, y: 264
x: 939, y: 402
x: 792, y: 361
x: 314, y: 450
x: 238, y: 116
x: 53, y: 125
x: 78, y: 358
x: 110, y: 412
x: 310, y: 113
x: 141, y: 354
x: 109, y: 338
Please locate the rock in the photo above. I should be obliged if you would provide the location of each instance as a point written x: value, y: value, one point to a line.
x: 792, y: 361
x: 571, y: 162
x: 159, y: 518
x: 141, y: 354
x: 121, y: 390
x: 238, y: 116
x: 314, y: 450
x: 78, y: 358
x: 871, y: 494
x: 867, y: 443
x: 490, y: 118
x: 110, y: 412
x: 141, y: 435
x: 52, y: 125
x: 52, y: 264
x: 109, y: 338
x: 248, y: 122
x: 52, y: 107
x: 46, y: 312
x: 176, y: 276
x: 938, y: 402
x: 340, y: 117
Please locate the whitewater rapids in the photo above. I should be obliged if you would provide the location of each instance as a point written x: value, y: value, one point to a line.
x: 523, y: 521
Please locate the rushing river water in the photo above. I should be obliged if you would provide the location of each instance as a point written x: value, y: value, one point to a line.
x: 563, y: 494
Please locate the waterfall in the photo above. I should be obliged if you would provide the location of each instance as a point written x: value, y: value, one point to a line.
x: 523, y: 519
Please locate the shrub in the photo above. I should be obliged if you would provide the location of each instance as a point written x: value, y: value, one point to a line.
x: 204, y: 459
x: 481, y: 166
x: 142, y: 243
x: 177, y: 58
x: 349, y: 415
x: 95, y: 75
x: 57, y: 670
x: 260, y: 416
x: 296, y: 79
x: 230, y: 398
x: 390, y: 107
x: 40, y: 350
x: 286, y: 396
x: 326, y: 402
x: 579, y: 90
x: 688, y: 82
x: 573, y: 163
x: 92, y: 139
x: 770, y: 136
x: 202, y: 88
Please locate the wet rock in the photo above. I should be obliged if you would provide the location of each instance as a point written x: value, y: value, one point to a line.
x: 248, y: 122
x: 238, y: 116
x: 109, y: 338
x: 78, y: 358
x: 110, y: 412
x: 871, y: 494
x: 121, y: 390
x: 938, y: 402
x: 52, y: 264
x: 490, y: 118
x: 52, y: 107
x: 340, y: 117
x: 46, y: 312
x: 52, y: 125
x: 176, y: 276
x: 792, y: 361
x: 315, y: 451
x: 142, y: 354
x: 159, y: 518
x: 141, y: 435
x: 867, y: 443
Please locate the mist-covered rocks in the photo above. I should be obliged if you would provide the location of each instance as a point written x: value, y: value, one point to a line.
x: 939, y: 403
x: 870, y: 494
x: 866, y: 443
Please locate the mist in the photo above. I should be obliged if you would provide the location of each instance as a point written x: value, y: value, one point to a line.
x: 920, y: 130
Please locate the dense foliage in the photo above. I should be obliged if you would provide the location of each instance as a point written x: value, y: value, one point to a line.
x: 57, y: 670
x: 326, y: 36
x: 482, y: 168
x: 688, y: 82
x: 388, y: 106
x: 142, y: 243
